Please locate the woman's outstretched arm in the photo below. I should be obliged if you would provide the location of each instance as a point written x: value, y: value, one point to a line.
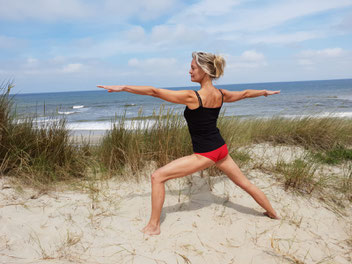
x: 232, y: 96
x: 178, y: 97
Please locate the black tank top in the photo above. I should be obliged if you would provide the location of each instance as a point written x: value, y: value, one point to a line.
x: 202, y: 127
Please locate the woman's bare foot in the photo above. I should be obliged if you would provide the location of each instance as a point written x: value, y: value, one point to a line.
x: 151, y: 230
x: 271, y: 215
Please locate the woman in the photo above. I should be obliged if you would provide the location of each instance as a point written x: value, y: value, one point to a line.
x: 201, y: 113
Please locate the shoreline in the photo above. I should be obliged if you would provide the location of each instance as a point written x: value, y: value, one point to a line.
x: 93, y: 137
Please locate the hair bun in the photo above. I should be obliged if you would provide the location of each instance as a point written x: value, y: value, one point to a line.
x: 219, y: 64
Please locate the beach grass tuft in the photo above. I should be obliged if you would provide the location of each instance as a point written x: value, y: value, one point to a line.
x: 37, y: 154
x: 161, y: 139
x: 299, y: 175
x: 334, y: 156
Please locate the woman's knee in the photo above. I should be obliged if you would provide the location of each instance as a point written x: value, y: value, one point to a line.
x: 158, y: 177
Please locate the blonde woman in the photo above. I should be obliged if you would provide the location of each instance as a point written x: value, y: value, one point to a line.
x: 201, y: 113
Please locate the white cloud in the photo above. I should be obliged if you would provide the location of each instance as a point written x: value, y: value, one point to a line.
x: 331, y: 57
x: 145, y: 10
x: 11, y: 43
x: 321, y: 54
x: 157, y: 71
x: 276, y: 14
x: 135, y: 40
x: 176, y: 35
x: 305, y: 62
x: 248, y: 59
x: 285, y: 38
x: 252, y: 55
x: 31, y: 63
x: 345, y: 23
x: 200, y: 10
x: 136, y: 33
x: 72, y: 67
x: 44, y: 10
x: 152, y: 64
x: 111, y: 10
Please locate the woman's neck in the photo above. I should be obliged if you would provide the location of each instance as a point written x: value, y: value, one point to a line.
x: 206, y: 83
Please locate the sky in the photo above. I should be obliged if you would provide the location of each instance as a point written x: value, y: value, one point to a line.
x: 73, y: 45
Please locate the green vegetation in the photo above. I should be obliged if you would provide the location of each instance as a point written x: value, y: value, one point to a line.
x: 161, y: 140
x: 44, y: 155
x: 334, y: 156
x: 299, y: 175
x: 308, y: 132
x: 38, y: 155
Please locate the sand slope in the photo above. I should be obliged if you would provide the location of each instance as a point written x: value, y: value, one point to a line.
x: 202, y: 222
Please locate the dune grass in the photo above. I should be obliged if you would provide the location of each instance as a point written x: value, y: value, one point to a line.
x: 161, y: 139
x: 45, y: 154
x: 309, y: 132
x: 37, y: 154
x: 299, y: 175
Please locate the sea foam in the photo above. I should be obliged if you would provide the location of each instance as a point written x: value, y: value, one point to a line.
x: 65, y: 113
x: 108, y: 125
x: 77, y: 106
x: 322, y: 115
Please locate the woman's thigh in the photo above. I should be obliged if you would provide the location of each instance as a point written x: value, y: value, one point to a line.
x: 183, y: 166
x: 230, y: 168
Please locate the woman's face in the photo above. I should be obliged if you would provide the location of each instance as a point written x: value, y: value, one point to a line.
x: 196, y: 72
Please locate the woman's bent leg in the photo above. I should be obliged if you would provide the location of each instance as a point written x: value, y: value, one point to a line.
x: 230, y: 168
x: 178, y: 168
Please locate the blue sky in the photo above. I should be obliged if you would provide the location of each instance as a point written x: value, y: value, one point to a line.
x: 71, y: 45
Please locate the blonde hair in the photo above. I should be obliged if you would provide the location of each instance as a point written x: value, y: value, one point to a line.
x: 210, y: 63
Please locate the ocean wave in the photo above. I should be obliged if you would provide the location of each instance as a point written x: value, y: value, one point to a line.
x: 77, y: 106
x: 322, y: 115
x: 108, y: 125
x: 65, y: 113
x: 89, y: 125
x: 37, y: 120
x: 341, y: 114
x: 46, y: 120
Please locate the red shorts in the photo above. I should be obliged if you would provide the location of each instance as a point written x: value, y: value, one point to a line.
x: 217, y: 154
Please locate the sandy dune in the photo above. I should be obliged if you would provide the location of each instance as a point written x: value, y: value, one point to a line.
x: 203, y: 221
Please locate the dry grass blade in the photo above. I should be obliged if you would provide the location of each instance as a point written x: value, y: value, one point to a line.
x: 187, y: 261
x: 286, y: 255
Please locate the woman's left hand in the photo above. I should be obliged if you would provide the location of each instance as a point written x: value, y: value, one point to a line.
x: 112, y: 88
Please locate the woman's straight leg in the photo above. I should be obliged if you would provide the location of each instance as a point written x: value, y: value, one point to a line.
x: 178, y: 168
x: 230, y: 168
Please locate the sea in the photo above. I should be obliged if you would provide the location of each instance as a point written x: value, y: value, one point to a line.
x: 94, y: 110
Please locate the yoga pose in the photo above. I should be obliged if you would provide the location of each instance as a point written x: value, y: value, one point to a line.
x: 201, y: 113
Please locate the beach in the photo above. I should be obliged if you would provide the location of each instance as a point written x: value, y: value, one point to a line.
x: 204, y: 220
x: 103, y: 102
x: 75, y: 186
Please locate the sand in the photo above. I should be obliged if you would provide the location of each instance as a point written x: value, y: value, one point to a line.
x: 204, y: 220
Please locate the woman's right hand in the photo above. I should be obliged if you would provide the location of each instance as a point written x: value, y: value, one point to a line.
x: 112, y: 88
x: 267, y: 92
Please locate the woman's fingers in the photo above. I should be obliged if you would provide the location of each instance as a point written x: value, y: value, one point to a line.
x: 106, y: 87
x: 111, y: 88
x: 103, y: 86
x: 273, y: 92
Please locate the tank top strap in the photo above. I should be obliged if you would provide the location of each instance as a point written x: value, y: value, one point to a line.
x: 199, y: 99
x: 222, y: 98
